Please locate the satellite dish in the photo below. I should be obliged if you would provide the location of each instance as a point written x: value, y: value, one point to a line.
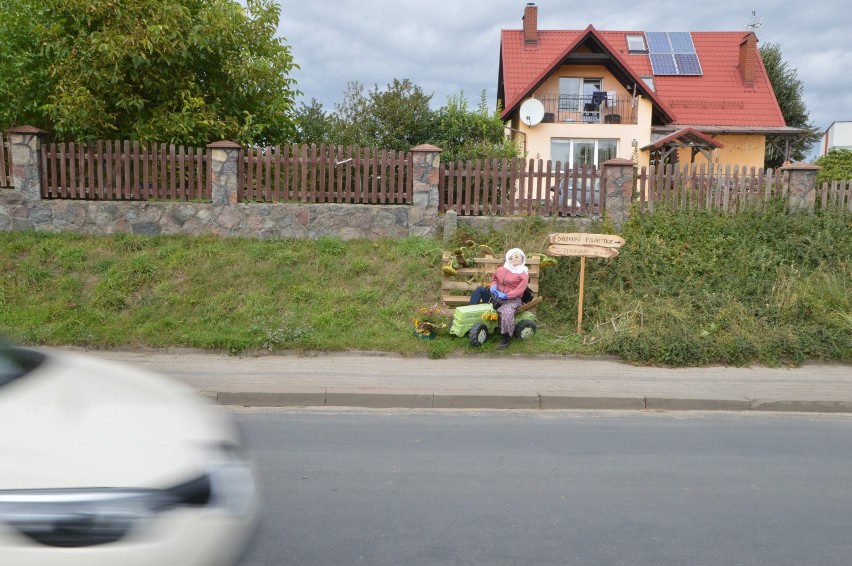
x: 532, y: 112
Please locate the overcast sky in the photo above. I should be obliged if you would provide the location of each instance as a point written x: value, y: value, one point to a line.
x: 447, y: 47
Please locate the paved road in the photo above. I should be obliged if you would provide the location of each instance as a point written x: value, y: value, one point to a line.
x: 481, y: 381
x: 353, y: 486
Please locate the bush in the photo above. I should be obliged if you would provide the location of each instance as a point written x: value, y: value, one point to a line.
x: 695, y: 288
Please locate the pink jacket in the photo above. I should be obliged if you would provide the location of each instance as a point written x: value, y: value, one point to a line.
x: 513, y: 284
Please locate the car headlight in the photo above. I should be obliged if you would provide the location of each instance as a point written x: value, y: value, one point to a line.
x: 80, y: 517
x: 72, y: 518
x: 232, y: 484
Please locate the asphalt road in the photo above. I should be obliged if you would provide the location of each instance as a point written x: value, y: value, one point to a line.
x: 561, y: 487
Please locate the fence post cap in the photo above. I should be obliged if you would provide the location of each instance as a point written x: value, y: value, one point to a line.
x: 800, y: 167
x: 224, y: 144
x: 25, y: 130
x: 618, y: 161
x: 426, y: 147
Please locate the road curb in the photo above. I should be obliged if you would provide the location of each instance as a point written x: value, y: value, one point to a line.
x: 804, y: 406
x: 491, y: 400
x: 697, y: 404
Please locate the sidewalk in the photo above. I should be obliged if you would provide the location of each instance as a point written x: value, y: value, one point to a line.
x: 482, y: 382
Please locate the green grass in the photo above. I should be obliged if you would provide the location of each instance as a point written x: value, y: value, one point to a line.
x: 688, y: 288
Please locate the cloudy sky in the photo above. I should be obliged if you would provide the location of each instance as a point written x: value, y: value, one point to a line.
x: 447, y: 47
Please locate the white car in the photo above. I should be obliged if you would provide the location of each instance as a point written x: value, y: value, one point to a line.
x: 565, y: 195
x: 107, y: 464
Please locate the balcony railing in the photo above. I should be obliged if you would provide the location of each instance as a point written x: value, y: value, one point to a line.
x: 599, y: 108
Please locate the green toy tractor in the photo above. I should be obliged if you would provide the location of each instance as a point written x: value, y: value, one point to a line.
x: 478, y: 322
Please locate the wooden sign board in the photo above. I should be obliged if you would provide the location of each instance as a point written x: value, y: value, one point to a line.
x: 581, y: 251
x: 584, y: 245
x: 581, y: 239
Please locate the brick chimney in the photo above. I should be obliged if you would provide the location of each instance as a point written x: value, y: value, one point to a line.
x: 531, y: 23
x: 748, y: 59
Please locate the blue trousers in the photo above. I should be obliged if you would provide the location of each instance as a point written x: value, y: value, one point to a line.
x: 480, y: 295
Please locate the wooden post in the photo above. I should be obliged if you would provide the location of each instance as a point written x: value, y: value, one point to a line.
x: 580, y: 303
x: 584, y: 245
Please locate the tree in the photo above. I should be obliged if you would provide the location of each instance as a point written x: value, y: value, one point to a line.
x: 313, y: 124
x: 23, y: 66
x: 402, y: 118
x: 399, y: 118
x: 396, y: 118
x: 350, y: 116
x: 180, y: 71
x: 836, y: 166
x: 788, y: 90
x: 471, y: 134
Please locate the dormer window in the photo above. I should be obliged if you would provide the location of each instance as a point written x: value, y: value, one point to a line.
x: 636, y: 43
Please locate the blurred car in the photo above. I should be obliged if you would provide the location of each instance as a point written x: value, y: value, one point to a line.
x: 565, y: 193
x: 108, y: 464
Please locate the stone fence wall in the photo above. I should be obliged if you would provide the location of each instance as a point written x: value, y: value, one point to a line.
x: 22, y: 207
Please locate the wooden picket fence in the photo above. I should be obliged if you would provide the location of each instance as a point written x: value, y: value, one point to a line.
x: 725, y: 189
x: 115, y: 170
x: 519, y: 187
x: 325, y: 174
x: 130, y: 170
x: 837, y: 194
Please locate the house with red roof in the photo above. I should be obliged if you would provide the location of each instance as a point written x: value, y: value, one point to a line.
x: 585, y: 96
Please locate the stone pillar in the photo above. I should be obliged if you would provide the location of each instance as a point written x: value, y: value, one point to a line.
x: 617, y: 189
x: 26, y: 142
x: 426, y: 167
x: 225, y: 157
x: 802, y: 180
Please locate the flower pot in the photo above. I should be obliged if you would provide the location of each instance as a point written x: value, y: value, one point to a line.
x: 425, y: 335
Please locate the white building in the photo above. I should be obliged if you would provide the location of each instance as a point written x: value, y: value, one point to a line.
x: 837, y: 136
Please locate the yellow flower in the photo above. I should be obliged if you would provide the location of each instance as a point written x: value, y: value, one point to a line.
x: 429, y: 319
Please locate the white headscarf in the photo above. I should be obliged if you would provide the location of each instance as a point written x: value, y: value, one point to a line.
x: 516, y: 268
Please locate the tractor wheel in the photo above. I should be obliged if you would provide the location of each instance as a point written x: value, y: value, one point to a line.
x: 478, y: 335
x: 524, y: 329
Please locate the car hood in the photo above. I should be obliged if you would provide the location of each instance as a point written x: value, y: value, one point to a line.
x: 77, y: 422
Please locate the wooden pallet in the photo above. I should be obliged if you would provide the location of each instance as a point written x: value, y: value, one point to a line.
x: 457, y: 289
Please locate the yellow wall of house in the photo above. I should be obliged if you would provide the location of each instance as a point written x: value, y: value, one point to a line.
x: 535, y: 140
x: 739, y: 150
x: 744, y: 150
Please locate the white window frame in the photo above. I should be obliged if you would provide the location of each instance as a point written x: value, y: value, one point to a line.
x: 636, y: 43
x: 649, y: 81
x: 575, y: 92
x: 572, y: 148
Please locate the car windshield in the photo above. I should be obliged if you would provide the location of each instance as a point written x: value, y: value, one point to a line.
x: 17, y: 362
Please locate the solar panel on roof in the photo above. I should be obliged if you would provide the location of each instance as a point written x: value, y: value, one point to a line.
x: 672, y: 53
x: 681, y: 42
x: 663, y: 63
x: 687, y: 64
x: 658, y: 41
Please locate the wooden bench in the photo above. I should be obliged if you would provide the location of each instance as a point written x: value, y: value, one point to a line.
x: 457, y: 289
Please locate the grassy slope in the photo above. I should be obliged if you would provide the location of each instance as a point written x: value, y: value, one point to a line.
x: 688, y: 289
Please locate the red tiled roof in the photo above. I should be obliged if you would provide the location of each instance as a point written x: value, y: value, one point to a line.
x: 685, y: 135
x: 718, y: 97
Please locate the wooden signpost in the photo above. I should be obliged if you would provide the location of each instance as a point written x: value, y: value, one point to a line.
x: 582, y: 251
x: 584, y: 245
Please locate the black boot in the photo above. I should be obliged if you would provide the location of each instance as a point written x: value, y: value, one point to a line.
x: 505, y: 338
